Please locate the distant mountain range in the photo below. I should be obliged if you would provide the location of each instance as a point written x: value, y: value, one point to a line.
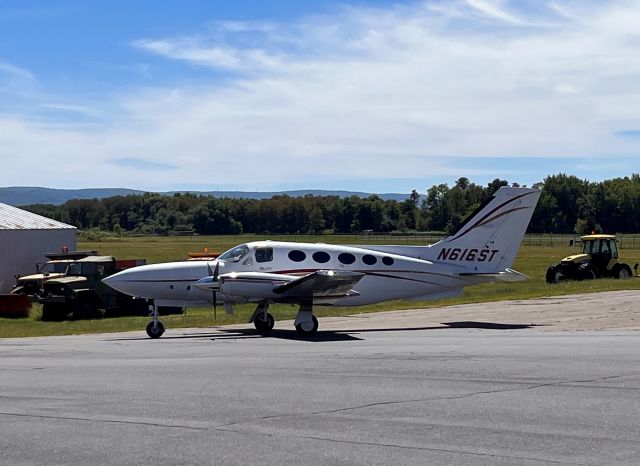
x: 22, y: 195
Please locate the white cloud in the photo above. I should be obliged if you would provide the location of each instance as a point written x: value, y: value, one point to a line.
x: 14, y: 71
x: 406, y: 92
x: 222, y: 57
x: 493, y: 10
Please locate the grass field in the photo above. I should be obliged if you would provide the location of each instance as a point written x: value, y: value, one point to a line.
x: 532, y: 260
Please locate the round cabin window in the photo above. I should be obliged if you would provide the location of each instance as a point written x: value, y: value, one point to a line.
x: 321, y: 257
x: 347, y: 258
x: 297, y: 256
x: 369, y: 259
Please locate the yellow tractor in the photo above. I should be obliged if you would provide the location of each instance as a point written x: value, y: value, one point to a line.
x: 598, y: 259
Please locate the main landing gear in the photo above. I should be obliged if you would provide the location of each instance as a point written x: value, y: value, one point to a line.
x: 305, y: 323
x: 155, y: 328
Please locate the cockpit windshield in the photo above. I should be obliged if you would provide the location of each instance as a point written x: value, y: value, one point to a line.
x: 235, y: 254
x: 54, y: 267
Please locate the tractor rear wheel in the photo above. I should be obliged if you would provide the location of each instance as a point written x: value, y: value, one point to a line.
x: 622, y: 271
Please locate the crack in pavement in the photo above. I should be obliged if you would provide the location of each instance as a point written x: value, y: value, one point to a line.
x: 106, y: 421
x: 403, y: 447
x: 321, y: 375
x: 426, y: 400
x: 469, y: 395
x: 224, y: 427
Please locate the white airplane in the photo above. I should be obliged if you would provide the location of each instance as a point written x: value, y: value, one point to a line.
x: 316, y: 274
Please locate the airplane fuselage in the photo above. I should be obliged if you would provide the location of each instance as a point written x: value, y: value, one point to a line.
x: 387, y: 276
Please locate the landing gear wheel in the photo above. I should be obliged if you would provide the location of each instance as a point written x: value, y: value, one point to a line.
x: 308, y: 329
x: 264, y: 325
x: 155, y: 329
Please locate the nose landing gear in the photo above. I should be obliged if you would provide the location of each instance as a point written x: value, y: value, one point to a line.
x: 155, y: 328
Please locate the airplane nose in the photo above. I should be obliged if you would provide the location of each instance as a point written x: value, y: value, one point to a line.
x: 121, y: 281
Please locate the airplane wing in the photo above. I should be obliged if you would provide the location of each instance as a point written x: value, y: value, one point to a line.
x: 321, y: 284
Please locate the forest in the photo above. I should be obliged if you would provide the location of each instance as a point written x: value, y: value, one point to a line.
x: 567, y: 205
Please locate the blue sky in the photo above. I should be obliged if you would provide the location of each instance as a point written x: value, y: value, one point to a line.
x: 361, y: 95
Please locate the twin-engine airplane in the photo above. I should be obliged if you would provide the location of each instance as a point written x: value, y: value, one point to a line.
x: 315, y: 274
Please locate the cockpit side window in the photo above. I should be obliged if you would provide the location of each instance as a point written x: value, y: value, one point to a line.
x: 590, y: 247
x: 264, y: 254
x: 235, y: 254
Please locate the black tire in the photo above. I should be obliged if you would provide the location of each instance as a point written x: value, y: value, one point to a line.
x: 622, y: 272
x: 587, y: 274
x: 155, y: 330
x: 302, y: 331
x: 86, y: 307
x: 266, y: 325
x: 554, y: 275
x: 53, y: 312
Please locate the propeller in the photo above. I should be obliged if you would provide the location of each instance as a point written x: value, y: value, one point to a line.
x: 214, y: 297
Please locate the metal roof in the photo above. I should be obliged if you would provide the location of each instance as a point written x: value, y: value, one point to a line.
x: 96, y: 259
x: 12, y: 218
x: 597, y: 236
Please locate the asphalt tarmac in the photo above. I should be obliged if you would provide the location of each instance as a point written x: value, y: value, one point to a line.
x: 481, y: 391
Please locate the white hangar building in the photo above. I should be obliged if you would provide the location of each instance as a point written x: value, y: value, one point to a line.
x: 25, y: 238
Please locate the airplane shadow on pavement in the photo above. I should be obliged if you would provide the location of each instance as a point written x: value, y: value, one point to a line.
x: 329, y: 335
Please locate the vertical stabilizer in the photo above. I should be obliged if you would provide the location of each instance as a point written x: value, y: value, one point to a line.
x: 489, y: 239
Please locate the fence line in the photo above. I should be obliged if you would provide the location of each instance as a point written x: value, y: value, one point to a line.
x: 625, y: 241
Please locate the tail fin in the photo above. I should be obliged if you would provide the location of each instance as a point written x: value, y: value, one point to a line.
x: 489, y: 239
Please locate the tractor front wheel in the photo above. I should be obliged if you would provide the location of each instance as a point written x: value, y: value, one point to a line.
x: 554, y: 275
x: 587, y: 274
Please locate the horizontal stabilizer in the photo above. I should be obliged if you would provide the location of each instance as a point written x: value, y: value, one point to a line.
x: 321, y: 284
x: 509, y: 275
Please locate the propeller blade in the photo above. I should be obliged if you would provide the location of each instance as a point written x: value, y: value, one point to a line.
x: 214, y: 296
x: 215, y: 306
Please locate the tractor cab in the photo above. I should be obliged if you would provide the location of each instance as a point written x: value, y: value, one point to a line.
x: 604, y: 246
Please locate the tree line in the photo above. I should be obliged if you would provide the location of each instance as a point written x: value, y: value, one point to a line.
x: 567, y: 205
